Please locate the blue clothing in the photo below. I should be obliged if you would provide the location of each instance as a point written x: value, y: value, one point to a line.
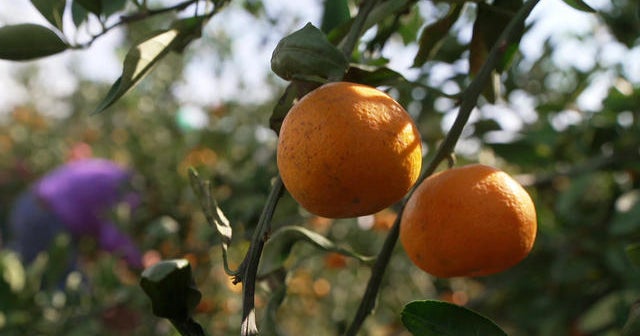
x: 32, y: 227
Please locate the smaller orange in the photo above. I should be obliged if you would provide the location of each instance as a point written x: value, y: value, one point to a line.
x: 469, y: 221
x: 348, y: 150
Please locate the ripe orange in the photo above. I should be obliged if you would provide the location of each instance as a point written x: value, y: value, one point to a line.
x: 348, y: 150
x: 469, y: 221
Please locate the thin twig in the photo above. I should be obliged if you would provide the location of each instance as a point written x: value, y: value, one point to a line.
x: 249, y: 266
x: 469, y: 101
x: 138, y: 16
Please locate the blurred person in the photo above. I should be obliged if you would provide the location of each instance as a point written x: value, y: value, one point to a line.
x: 74, y: 199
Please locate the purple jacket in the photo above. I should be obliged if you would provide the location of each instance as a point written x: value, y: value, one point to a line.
x: 81, y: 194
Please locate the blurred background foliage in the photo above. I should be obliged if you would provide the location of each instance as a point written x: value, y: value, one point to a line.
x: 580, y: 162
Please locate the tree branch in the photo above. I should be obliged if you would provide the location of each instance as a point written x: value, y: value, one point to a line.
x: 134, y: 17
x: 249, y: 267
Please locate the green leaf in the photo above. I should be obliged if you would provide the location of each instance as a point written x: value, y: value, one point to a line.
x: 580, y: 5
x: 213, y: 213
x: 632, y: 326
x: 336, y: 13
x: 432, y: 36
x: 171, y: 288
x: 141, y: 58
x: 93, y: 6
x: 295, y: 90
x: 306, y: 54
x: 190, y: 29
x: 604, y: 312
x: 384, y: 10
x: 27, y: 41
x: 411, y: 26
x: 379, y: 13
x: 279, y: 246
x: 436, y: 318
x: 491, y: 20
x: 374, y: 77
x: 52, y: 10
x: 79, y: 14
x: 137, y: 64
x: 633, y: 253
x: 485, y: 126
x: 111, y: 7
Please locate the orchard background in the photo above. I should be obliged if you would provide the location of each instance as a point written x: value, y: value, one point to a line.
x: 560, y: 114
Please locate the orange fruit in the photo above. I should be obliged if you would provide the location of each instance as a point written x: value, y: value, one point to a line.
x: 348, y: 150
x: 470, y: 221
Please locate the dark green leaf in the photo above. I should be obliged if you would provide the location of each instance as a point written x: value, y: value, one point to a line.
x: 633, y: 253
x: 374, y: 77
x: 79, y: 14
x: 433, y: 35
x: 632, y: 326
x: 336, y: 13
x: 484, y: 126
x: 379, y: 13
x: 580, y: 5
x: 384, y: 10
x: 110, y: 7
x: 171, y: 288
x: 491, y: 20
x: 604, y: 312
x: 618, y: 101
x: 137, y: 64
x: 436, y: 318
x: 52, y: 10
x: 306, y: 54
x: 28, y: 41
x: 278, y: 247
x: 93, y: 6
x: 294, y: 91
x: 411, y: 26
x: 521, y: 153
x: 190, y: 30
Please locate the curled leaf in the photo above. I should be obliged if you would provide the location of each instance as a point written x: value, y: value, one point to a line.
x: 278, y: 247
x: 432, y: 35
x: 171, y: 288
x: 213, y: 213
x: 307, y: 54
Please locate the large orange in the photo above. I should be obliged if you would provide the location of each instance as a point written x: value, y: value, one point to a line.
x: 348, y: 150
x: 469, y: 221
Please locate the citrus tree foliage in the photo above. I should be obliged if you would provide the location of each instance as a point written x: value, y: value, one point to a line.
x: 284, y: 271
